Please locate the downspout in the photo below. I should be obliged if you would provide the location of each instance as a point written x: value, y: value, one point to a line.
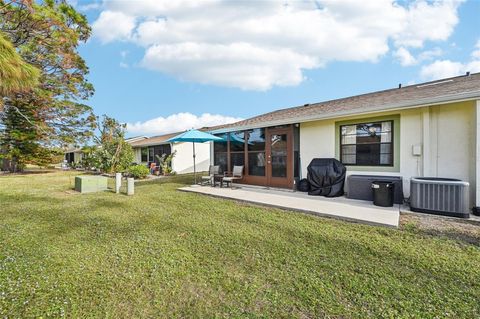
x: 426, y: 141
x: 476, y: 209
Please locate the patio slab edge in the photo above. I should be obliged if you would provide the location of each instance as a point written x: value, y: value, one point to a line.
x: 198, y: 190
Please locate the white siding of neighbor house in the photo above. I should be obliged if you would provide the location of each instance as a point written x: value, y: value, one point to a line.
x: 183, y: 161
x: 138, y: 155
x: 77, y: 157
x: 446, y: 134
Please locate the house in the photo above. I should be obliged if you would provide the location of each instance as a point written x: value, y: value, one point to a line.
x: 149, y: 149
x: 74, y: 154
x: 427, y: 129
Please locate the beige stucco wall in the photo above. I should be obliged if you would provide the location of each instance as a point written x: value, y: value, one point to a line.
x: 317, y: 139
x: 445, y: 132
x: 452, y: 142
x: 183, y: 160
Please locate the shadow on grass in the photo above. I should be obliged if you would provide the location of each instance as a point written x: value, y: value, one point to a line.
x: 26, y: 173
x: 452, y: 234
x: 58, y: 217
x: 24, y: 198
x: 185, y: 179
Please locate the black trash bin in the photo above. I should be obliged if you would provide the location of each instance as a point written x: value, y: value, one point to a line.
x: 303, y: 185
x: 383, y: 193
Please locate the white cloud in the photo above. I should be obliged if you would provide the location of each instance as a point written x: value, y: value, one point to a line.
x: 123, y: 55
x: 178, y: 122
x: 89, y: 6
x: 441, y: 69
x: 260, y: 44
x: 447, y: 68
x: 476, y: 53
x: 428, y: 21
x: 113, y: 25
x: 238, y: 64
x: 430, y: 54
x: 405, y: 57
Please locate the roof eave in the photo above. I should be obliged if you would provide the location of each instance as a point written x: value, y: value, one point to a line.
x: 151, y: 144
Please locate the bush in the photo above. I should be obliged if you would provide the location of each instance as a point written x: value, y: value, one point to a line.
x: 138, y: 171
x: 165, y: 162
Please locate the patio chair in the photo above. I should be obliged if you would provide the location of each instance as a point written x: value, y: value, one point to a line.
x: 236, y: 175
x: 210, y: 178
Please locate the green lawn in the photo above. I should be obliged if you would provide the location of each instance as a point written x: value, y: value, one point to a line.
x: 164, y: 253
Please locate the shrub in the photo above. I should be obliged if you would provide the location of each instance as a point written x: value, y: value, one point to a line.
x: 73, y: 165
x: 138, y: 171
x: 165, y: 162
x: 114, y: 154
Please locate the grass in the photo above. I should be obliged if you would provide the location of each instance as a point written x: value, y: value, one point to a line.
x: 164, y: 253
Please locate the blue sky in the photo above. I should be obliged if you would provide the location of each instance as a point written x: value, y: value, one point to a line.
x: 164, y: 66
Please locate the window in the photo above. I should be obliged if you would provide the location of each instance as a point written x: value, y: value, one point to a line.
x: 144, y: 152
x: 159, y: 151
x: 367, y: 144
x: 296, y: 151
x: 256, y: 152
x: 278, y: 149
x: 220, y: 152
x: 151, y: 156
x: 237, y: 149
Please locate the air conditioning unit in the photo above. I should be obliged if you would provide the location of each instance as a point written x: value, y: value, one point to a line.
x: 441, y: 196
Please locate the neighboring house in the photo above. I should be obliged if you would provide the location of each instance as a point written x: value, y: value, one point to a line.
x: 135, y: 139
x: 75, y: 154
x: 147, y: 149
x: 428, y: 129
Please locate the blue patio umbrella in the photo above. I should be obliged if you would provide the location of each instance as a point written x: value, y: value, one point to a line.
x: 194, y: 136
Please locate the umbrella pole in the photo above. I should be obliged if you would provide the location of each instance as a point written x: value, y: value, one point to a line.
x: 194, y: 170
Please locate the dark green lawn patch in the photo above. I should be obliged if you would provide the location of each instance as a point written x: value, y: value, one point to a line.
x: 165, y: 253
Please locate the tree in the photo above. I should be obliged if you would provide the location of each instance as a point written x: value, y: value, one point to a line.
x: 113, y: 153
x: 15, y: 74
x: 46, y: 35
x: 89, y: 157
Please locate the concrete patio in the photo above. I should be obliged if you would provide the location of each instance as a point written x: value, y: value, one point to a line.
x: 339, y: 207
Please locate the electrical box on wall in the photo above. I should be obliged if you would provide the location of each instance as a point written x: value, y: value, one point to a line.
x: 417, y: 150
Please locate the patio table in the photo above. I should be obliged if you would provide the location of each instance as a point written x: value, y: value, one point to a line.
x: 217, y: 178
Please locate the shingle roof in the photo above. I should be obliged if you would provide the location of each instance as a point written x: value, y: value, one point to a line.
x: 154, y: 140
x: 135, y: 138
x: 72, y: 150
x: 162, y: 139
x: 435, y: 92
